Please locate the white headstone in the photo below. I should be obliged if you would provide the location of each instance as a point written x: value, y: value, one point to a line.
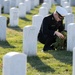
x: 65, y: 4
x: 22, y: 10
x: 28, y: 6
x: 14, y: 16
x: 43, y: 11
x: 45, y: 5
x: 0, y: 9
x: 71, y: 37
x: 52, y: 2
x: 49, y: 3
x: 69, y: 19
x: 62, y: 2
x: 13, y: 3
x: 69, y: 9
x: 45, y: 1
x: 29, y: 40
x: 72, y: 2
x: 73, y: 62
x: 6, y: 6
x: 14, y: 63
x: 17, y: 2
x: 37, y: 21
x: 36, y: 2
x: 1, y: 2
x: 22, y: 1
x: 32, y: 4
x: 2, y: 28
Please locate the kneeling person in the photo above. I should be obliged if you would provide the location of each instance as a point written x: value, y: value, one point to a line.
x: 51, y: 28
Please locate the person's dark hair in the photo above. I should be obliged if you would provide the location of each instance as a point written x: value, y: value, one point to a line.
x: 59, y: 14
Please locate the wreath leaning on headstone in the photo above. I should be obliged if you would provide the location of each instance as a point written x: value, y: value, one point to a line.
x: 61, y: 44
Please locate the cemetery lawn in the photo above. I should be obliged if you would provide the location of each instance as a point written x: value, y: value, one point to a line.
x: 57, y: 62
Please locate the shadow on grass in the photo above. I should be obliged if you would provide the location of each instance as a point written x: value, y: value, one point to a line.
x: 37, y: 64
x: 17, y: 28
x: 30, y: 13
x: 63, y: 56
x: 5, y: 44
x: 25, y: 19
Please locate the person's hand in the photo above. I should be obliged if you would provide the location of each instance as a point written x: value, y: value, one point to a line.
x: 60, y: 35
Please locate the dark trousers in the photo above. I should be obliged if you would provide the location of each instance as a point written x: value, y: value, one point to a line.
x: 46, y: 40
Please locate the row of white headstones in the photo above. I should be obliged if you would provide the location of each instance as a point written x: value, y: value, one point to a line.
x: 15, y: 3
x: 70, y: 27
x: 30, y: 41
x: 14, y: 63
x: 15, y: 13
x: 26, y: 5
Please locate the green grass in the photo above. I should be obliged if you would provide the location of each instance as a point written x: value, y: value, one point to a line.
x: 51, y: 63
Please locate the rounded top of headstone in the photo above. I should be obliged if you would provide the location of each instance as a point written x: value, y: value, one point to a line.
x: 72, y: 24
x: 44, y: 3
x: 21, y: 3
x: 43, y: 8
x: 12, y: 53
x: 14, y: 8
x: 62, y: 11
x: 69, y: 13
x: 68, y: 7
x: 37, y: 15
x: 65, y: 2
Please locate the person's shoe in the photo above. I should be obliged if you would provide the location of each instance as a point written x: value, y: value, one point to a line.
x: 52, y: 47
